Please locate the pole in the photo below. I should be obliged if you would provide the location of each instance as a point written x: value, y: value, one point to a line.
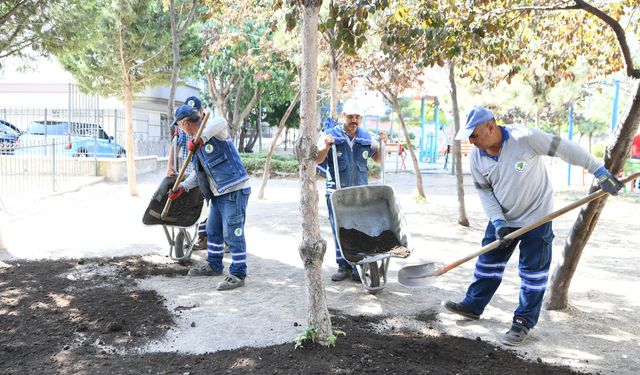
x: 570, y: 136
x: 616, y: 97
x: 422, y: 130
x: 434, y: 150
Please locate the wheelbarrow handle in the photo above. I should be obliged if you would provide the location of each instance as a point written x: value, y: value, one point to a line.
x: 336, y: 172
x: 183, y: 168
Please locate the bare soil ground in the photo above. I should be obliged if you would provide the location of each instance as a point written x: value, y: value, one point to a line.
x: 85, y: 288
x: 88, y: 317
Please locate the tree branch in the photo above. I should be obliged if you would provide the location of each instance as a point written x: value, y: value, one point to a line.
x: 11, y: 11
x: 620, y: 36
x: 558, y: 6
x: 610, y: 21
x: 188, y: 21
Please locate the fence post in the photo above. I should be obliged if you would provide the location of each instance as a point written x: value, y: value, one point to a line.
x: 95, y: 153
x: 53, y: 165
x: 46, y: 128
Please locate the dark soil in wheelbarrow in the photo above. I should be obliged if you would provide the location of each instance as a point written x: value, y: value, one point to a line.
x: 356, y: 245
x: 87, y: 317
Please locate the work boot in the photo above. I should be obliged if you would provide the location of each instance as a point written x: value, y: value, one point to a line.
x: 517, y: 334
x: 204, y: 270
x: 201, y: 244
x: 459, y: 309
x: 230, y: 282
x: 341, y: 274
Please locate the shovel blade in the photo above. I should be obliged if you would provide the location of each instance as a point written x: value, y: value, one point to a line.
x: 419, y: 275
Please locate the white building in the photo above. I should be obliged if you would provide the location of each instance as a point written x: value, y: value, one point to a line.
x: 44, y: 90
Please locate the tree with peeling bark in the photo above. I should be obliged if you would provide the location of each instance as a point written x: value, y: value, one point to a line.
x: 266, y: 170
x: 453, y: 34
x: 181, y: 16
x: 592, y: 18
x: 391, y: 74
x: 242, y: 62
x: 344, y: 30
x: 312, y: 247
x: 121, y: 49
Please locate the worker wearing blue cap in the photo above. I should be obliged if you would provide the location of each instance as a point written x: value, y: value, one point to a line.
x: 224, y: 182
x: 178, y: 154
x: 515, y: 191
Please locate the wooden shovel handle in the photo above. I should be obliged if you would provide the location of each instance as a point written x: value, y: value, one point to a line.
x: 591, y: 197
x: 196, y: 139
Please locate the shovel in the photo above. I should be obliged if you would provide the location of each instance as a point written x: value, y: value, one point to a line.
x: 418, y: 275
x: 167, y: 205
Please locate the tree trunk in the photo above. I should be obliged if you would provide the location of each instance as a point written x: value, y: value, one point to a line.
x: 219, y: 96
x: 175, y: 72
x: 312, y: 247
x: 615, y: 157
x: 240, y: 116
x: 253, y: 136
x: 259, y: 126
x: 241, y: 139
x: 286, y: 138
x: 177, y: 32
x: 457, y: 153
x: 414, y: 159
x: 333, y: 76
x: 128, y: 120
x: 274, y: 142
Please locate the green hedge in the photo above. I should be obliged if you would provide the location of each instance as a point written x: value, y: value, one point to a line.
x: 284, y: 165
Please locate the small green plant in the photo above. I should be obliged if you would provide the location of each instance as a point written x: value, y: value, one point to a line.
x: 308, y: 334
x: 333, y: 338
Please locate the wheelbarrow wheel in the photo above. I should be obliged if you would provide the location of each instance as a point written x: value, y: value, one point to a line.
x: 371, y: 275
x: 182, y: 240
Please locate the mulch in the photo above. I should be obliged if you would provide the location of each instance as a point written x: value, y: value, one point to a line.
x: 88, y: 317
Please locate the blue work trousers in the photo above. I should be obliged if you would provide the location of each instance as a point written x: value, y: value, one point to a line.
x: 226, y: 224
x: 533, y: 267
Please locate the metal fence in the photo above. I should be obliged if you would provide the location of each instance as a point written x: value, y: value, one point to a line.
x: 41, y: 160
x: 150, y: 129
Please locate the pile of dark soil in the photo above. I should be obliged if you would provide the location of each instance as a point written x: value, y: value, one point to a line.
x: 87, y: 317
x: 356, y: 245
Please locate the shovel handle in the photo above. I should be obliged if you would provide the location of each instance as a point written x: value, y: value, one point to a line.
x: 336, y: 171
x: 183, y: 168
x: 591, y: 197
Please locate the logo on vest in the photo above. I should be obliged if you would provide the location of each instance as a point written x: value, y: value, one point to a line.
x: 520, y: 166
x: 365, y: 154
x: 208, y: 149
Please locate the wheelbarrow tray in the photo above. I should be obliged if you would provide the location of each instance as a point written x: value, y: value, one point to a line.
x: 370, y: 209
x: 183, y: 213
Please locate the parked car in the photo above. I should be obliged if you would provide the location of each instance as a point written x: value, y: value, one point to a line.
x: 8, y: 137
x: 76, y: 139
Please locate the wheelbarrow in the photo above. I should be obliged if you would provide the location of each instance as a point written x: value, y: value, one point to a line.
x: 181, y: 217
x: 176, y: 219
x: 370, y: 228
